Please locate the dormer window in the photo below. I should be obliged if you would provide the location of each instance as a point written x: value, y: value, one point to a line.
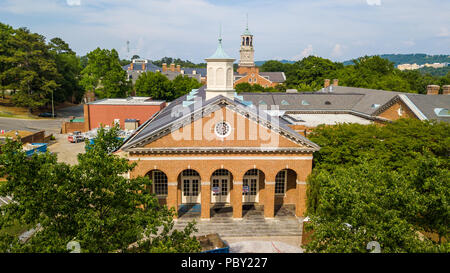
x: 304, y: 102
x: 327, y: 103
x: 441, y: 112
x: 261, y: 102
x: 283, y: 102
x: 375, y: 106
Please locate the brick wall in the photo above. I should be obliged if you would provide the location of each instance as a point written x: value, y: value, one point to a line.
x: 96, y: 114
x: 70, y: 127
x: 38, y: 137
x: 392, y: 113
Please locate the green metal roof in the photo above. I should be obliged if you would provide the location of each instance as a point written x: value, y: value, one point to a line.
x: 220, y: 53
x: 246, y: 32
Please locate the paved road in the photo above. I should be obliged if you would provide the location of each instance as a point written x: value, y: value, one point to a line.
x: 67, y: 152
x: 49, y: 125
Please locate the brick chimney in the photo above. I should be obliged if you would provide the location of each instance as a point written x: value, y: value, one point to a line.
x: 335, y: 82
x: 178, y: 68
x: 172, y: 67
x: 143, y: 66
x: 326, y: 83
x: 131, y: 66
x: 446, y: 90
x: 164, y: 68
x: 433, y: 89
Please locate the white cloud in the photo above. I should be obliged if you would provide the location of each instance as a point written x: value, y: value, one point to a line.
x: 374, y: 2
x: 73, y: 2
x: 445, y: 32
x: 305, y: 53
x: 338, y: 51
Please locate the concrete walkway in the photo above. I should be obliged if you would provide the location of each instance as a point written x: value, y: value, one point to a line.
x: 252, y: 233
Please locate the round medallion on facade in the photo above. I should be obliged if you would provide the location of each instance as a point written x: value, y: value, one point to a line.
x: 222, y: 129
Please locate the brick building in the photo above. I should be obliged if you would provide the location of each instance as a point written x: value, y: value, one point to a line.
x: 248, y: 71
x: 108, y: 112
x: 211, y: 148
x: 139, y: 66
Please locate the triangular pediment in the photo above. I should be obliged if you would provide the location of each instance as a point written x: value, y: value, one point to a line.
x: 223, y: 125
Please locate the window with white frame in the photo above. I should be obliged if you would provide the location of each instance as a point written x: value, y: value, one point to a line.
x: 159, y: 180
x: 280, y: 182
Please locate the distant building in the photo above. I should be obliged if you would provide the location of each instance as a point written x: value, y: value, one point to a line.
x: 139, y: 66
x: 108, y: 112
x: 248, y: 71
x: 416, y: 66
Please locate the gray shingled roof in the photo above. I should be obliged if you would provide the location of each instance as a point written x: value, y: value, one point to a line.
x: 428, y: 103
x: 315, y: 101
x: 371, y: 96
x: 274, y: 76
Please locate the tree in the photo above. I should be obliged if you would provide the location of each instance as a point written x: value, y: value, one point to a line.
x: 365, y: 203
x: 104, y: 74
x: 92, y: 203
x: 27, y: 67
x: 395, y: 177
x: 183, y: 85
x: 243, y: 87
x: 68, y: 67
x: 155, y: 85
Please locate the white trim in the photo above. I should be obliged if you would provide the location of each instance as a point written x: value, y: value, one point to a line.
x: 301, y: 182
x: 206, y: 183
x: 413, y: 107
x: 269, y: 183
x: 172, y: 183
x: 237, y: 183
x: 224, y: 158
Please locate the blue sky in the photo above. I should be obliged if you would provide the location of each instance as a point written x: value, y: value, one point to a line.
x: 188, y: 29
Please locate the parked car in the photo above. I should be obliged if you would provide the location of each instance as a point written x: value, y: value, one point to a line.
x: 75, y: 138
x: 47, y: 115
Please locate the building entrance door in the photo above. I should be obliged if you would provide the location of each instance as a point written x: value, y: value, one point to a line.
x: 220, y: 188
x: 190, y: 191
x: 250, y: 187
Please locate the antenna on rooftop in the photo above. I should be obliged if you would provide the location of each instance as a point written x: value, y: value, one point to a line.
x: 128, y: 49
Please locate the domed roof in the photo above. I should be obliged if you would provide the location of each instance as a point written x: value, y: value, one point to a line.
x: 220, y: 53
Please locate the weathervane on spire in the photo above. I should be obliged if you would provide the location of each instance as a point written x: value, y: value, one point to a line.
x: 220, y: 33
x: 247, y: 20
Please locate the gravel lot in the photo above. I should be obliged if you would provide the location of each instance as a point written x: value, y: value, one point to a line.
x: 67, y: 152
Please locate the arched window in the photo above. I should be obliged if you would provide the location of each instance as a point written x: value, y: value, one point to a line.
x: 280, y: 182
x: 247, y: 41
x: 159, y: 182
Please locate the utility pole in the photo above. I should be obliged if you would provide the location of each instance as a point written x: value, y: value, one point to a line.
x: 53, y: 108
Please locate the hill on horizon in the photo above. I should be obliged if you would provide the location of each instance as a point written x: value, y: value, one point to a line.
x: 418, y: 58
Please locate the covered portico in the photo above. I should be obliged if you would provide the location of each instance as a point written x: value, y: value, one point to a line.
x: 234, y: 180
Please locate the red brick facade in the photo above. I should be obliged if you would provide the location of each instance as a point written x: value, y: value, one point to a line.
x: 98, y: 114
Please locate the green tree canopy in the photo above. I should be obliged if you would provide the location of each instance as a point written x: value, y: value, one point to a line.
x: 92, y: 203
x: 155, y: 85
x: 104, y: 74
x: 27, y: 67
x: 388, y: 182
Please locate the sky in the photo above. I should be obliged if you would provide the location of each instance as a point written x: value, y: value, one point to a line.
x: 283, y: 29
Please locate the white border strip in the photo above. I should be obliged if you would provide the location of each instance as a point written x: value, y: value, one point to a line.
x: 413, y: 107
x: 224, y: 158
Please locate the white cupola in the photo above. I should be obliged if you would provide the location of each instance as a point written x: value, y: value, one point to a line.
x: 219, y: 74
